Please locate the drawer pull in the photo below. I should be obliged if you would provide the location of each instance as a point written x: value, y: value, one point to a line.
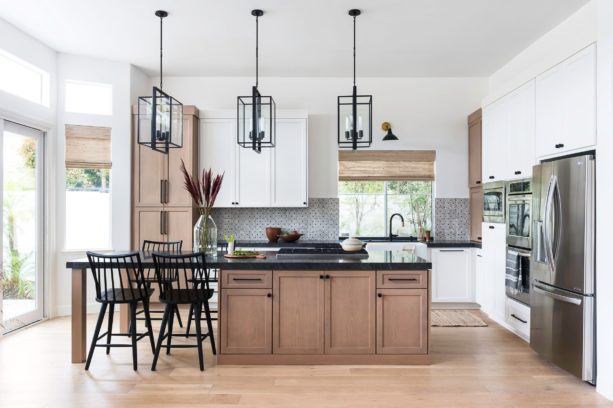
x: 247, y: 279
x: 517, y: 172
x: 559, y: 145
x: 452, y: 250
x: 402, y: 279
x: 491, y: 227
x: 517, y: 318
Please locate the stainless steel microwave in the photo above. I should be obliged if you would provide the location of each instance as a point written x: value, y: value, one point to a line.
x: 493, y: 202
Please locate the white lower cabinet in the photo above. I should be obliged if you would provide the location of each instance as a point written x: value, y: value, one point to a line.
x: 491, y: 285
x: 452, y: 275
x: 517, y: 316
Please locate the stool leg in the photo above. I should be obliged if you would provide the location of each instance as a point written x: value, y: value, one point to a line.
x: 189, y: 320
x: 158, y: 348
x: 148, y: 323
x: 178, y: 316
x: 110, y: 327
x: 133, y: 333
x: 198, y: 311
x: 170, y: 323
x: 209, y: 323
x: 96, y: 334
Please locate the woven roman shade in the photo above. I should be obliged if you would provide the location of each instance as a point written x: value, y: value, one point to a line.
x: 88, y: 147
x: 386, y: 165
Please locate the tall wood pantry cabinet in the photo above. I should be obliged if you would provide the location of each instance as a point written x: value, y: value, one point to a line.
x: 161, y: 208
x: 474, y: 174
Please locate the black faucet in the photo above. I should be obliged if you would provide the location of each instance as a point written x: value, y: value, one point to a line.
x: 391, y: 219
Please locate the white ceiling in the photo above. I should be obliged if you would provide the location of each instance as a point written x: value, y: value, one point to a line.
x: 308, y: 38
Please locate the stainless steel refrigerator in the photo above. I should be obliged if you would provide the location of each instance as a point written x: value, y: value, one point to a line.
x: 562, y: 304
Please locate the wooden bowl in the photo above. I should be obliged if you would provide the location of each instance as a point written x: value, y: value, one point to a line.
x: 272, y: 233
x: 291, y: 236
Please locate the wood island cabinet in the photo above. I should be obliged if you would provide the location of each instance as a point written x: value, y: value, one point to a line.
x: 324, y: 317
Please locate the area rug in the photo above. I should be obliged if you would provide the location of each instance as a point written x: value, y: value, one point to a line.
x: 456, y: 318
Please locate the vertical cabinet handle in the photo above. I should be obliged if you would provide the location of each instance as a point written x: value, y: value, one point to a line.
x: 165, y: 191
x: 161, y: 222
x: 161, y: 191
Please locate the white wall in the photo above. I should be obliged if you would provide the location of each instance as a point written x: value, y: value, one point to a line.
x: 425, y: 113
x: 604, y: 197
x: 119, y: 75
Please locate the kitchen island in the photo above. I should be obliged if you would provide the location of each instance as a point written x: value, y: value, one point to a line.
x: 308, y: 311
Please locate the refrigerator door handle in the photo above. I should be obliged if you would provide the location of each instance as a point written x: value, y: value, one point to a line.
x: 546, y: 292
x: 540, y: 254
x: 553, y: 181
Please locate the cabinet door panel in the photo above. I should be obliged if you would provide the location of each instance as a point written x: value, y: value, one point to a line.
x: 476, y: 213
x: 494, y: 265
x: 494, y: 141
x: 520, y: 110
x: 298, y: 312
x: 452, y: 276
x: 179, y: 225
x: 254, y: 178
x: 176, y: 194
x: 290, y: 164
x: 150, y: 171
x: 147, y: 225
x: 246, y: 321
x: 474, y: 149
x: 217, y: 151
x: 350, y: 313
x: 402, y: 321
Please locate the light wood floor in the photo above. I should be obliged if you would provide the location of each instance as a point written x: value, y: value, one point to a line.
x: 473, y: 367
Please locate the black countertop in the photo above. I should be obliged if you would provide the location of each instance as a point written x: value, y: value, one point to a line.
x: 329, y: 244
x: 377, y: 260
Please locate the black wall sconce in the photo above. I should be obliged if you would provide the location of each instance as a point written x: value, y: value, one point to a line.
x: 387, y: 127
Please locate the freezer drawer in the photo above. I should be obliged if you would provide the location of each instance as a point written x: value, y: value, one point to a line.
x: 561, y: 328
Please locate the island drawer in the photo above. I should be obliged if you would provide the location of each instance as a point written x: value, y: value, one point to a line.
x: 246, y: 279
x: 402, y: 279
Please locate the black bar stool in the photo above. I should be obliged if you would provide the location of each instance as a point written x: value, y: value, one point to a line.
x: 149, y: 247
x: 119, y: 279
x: 182, y: 269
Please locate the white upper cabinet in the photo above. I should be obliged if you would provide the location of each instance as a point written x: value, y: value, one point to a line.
x: 566, y: 105
x: 508, y: 136
x: 494, y: 142
x: 290, y: 179
x: 253, y: 182
x: 276, y: 177
x: 218, y: 152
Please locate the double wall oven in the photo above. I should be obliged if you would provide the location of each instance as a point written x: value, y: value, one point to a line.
x: 519, y: 240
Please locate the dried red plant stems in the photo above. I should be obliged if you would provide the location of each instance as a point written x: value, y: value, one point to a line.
x: 204, y: 192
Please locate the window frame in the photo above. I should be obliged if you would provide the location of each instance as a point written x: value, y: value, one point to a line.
x: 44, y: 98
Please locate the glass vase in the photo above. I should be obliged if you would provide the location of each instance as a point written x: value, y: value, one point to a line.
x: 205, y: 235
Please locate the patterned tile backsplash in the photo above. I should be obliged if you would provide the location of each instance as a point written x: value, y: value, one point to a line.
x: 452, y: 219
x: 319, y: 221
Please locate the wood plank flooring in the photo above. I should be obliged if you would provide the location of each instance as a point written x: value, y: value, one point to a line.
x: 472, y: 367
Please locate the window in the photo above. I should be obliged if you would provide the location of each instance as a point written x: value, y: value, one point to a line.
x: 88, y: 187
x: 23, y: 79
x: 89, y: 97
x: 365, y: 207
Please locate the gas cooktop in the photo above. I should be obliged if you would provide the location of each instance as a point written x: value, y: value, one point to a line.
x: 323, y: 253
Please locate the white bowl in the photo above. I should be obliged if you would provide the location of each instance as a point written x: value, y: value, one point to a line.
x: 352, y: 245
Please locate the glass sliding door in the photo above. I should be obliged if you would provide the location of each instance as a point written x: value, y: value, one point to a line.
x: 21, y: 194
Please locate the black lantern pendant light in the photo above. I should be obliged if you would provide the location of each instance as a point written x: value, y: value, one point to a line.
x: 160, y: 116
x: 256, y: 114
x: 354, y: 111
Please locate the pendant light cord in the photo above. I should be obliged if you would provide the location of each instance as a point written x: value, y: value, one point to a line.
x: 354, y: 50
x: 161, y: 19
x: 257, y: 30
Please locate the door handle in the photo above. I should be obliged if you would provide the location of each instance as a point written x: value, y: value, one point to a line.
x: 567, y: 299
x: 553, y: 180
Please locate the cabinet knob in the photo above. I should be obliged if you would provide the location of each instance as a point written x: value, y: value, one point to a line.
x: 304, y: 203
x: 479, y: 238
x: 379, y: 295
x: 321, y: 276
x: 269, y: 295
x: 478, y: 182
x: 491, y: 177
x: 559, y: 145
x: 518, y: 172
x: 327, y: 276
